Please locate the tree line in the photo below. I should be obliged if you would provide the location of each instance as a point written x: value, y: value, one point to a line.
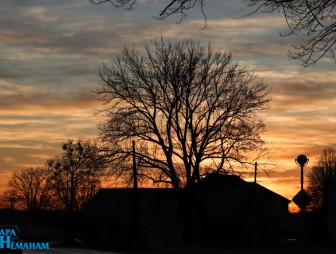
x: 66, y: 181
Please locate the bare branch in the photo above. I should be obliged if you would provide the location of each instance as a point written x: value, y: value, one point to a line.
x: 314, y: 21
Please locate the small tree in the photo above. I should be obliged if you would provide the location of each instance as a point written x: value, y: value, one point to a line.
x: 8, y: 199
x: 186, y: 106
x: 30, y: 189
x: 76, y: 173
x: 322, y: 179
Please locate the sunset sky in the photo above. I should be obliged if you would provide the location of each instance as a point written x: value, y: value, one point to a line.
x: 50, y: 52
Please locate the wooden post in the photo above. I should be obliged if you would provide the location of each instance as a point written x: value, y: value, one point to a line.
x: 135, y: 233
x: 255, y: 172
x: 135, y: 180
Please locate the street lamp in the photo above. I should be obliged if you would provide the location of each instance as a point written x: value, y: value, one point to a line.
x: 302, y: 161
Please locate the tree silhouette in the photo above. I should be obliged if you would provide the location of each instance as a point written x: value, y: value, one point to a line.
x: 76, y: 174
x: 187, y: 107
x: 322, y: 179
x: 8, y: 199
x: 30, y: 189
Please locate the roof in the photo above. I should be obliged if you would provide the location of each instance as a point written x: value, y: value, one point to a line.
x: 230, y: 194
x: 219, y: 191
x: 119, y: 202
x: 235, y: 183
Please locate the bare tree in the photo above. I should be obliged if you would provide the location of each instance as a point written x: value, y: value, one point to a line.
x: 322, y: 179
x: 186, y: 106
x: 29, y: 189
x: 76, y: 173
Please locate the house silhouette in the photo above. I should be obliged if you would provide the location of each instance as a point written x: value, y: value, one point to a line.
x: 222, y: 207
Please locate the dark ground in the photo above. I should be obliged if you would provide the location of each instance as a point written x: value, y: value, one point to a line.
x: 55, y: 225
x: 203, y: 250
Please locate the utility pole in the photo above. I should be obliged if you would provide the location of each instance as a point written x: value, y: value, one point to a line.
x: 135, y: 176
x: 255, y: 171
x: 135, y: 200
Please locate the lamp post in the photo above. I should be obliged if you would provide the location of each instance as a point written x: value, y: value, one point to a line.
x: 302, y: 198
x: 302, y: 161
